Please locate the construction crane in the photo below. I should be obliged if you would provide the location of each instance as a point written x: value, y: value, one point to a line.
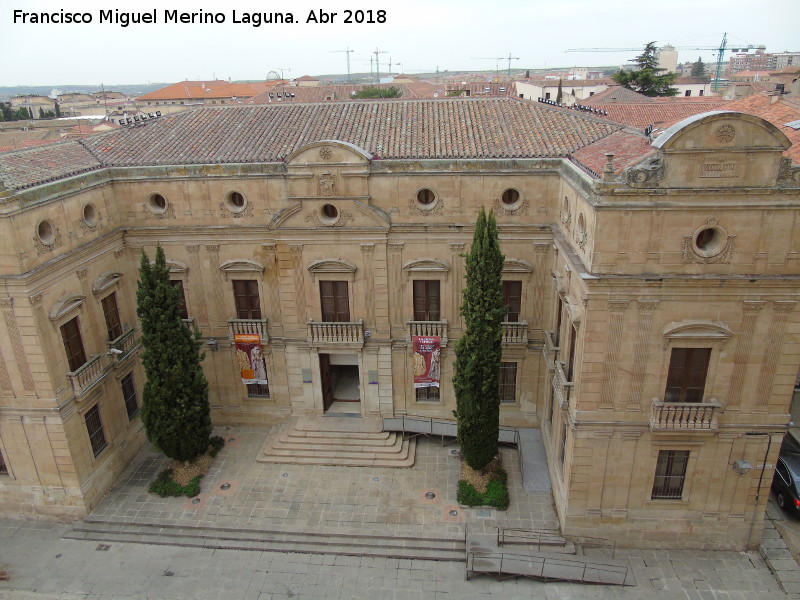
x: 348, y: 51
x: 719, y: 50
x: 509, y: 58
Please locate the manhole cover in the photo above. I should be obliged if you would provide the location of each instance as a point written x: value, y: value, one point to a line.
x: 225, y: 486
x: 430, y: 495
x: 195, y: 500
x: 453, y: 513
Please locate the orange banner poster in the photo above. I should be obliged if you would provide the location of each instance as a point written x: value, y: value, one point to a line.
x: 250, y: 358
x: 427, y: 370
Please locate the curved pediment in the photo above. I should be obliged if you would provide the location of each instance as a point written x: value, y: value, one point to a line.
x: 336, y: 266
x: 517, y: 265
x: 426, y: 265
x: 720, y: 129
x: 328, y: 152
x: 105, y: 281
x: 241, y: 265
x: 311, y: 214
x: 65, y: 306
x: 176, y: 266
x: 699, y: 330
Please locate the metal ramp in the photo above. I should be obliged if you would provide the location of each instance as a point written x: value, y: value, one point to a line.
x: 542, y: 555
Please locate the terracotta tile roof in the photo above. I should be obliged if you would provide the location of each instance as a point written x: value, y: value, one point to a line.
x: 197, y: 90
x: 328, y: 93
x: 486, y: 89
x: 26, y: 168
x: 616, y: 94
x: 778, y: 112
x: 424, y: 129
x: 657, y: 113
x: 306, y: 78
x: 628, y: 149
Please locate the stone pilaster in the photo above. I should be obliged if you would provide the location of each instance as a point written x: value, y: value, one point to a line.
x: 616, y: 309
x: 744, y: 344
x: 195, y: 289
x: 641, y: 351
x: 7, y: 305
x: 396, y: 289
x: 454, y: 319
x: 299, y: 282
x: 272, y: 283
x: 367, y: 256
x: 777, y: 329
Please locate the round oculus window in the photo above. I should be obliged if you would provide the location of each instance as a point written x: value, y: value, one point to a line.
x: 426, y: 197
x: 329, y: 213
x: 157, y: 203
x: 90, y: 215
x: 510, y: 197
x: 236, y: 202
x: 709, y: 241
x: 46, y: 232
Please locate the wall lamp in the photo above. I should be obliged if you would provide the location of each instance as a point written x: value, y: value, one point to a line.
x: 742, y: 466
x: 212, y: 344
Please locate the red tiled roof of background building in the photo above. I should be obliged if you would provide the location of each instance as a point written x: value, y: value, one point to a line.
x: 427, y: 129
x: 778, y: 111
x: 616, y: 93
x: 328, y: 93
x: 196, y: 90
x: 628, y: 149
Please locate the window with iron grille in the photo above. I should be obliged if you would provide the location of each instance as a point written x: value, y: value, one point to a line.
x: 427, y: 301
x: 245, y: 293
x: 111, y: 315
x: 686, y: 379
x: 178, y: 285
x: 512, y: 300
x: 508, y: 382
x: 3, y: 467
x: 95, y: 428
x: 427, y: 394
x: 258, y: 390
x: 73, y: 344
x: 670, y: 474
x: 129, y: 394
x: 335, y: 301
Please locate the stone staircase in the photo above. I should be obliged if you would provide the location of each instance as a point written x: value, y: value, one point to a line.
x: 107, y: 531
x: 340, y: 441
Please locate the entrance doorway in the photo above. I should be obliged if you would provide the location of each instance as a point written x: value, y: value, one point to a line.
x: 341, y: 386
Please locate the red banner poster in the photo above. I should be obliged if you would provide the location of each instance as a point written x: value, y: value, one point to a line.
x: 427, y: 370
x: 250, y: 358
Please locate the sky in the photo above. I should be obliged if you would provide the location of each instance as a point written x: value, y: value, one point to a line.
x: 417, y: 36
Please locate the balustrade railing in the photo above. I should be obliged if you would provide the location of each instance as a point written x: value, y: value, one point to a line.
x: 692, y: 416
x: 84, y: 377
x: 249, y: 326
x: 123, y: 345
x: 428, y: 329
x: 336, y: 332
x: 515, y: 332
x: 550, y: 351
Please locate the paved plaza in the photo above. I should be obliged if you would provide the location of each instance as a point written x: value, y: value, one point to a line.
x: 36, y: 563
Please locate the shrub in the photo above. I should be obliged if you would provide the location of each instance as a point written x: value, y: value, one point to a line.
x: 164, y: 485
x: 216, y: 442
x: 496, y: 494
x: 468, y: 495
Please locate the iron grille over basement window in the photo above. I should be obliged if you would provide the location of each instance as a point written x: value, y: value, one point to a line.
x: 670, y: 474
x: 257, y: 390
x: 508, y: 382
x: 429, y: 394
x: 95, y: 428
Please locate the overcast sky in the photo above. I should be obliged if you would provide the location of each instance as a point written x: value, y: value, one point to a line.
x: 421, y: 35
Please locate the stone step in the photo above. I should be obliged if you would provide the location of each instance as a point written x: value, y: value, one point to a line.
x: 341, y: 448
x: 297, y: 437
x: 403, y: 458
x: 351, y: 544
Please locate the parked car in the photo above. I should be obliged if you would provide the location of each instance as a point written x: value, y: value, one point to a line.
x: 786, y: 482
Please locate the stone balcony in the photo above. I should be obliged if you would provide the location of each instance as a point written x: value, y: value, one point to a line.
x: 336, y: 333
x: 684, y: 416
x: 121, y: 347
x: 85, y: 377
x: 562, y: 387
x: 550, y: 351
x: 428, y: 329
x: 249, y: 327
x: 515, y: 333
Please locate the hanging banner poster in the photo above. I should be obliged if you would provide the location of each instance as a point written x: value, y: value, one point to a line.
x: 250, y: 358
x: 427, y: 370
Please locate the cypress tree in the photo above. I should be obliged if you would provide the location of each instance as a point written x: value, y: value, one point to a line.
x: 478, y: 352
x: 175, y: 409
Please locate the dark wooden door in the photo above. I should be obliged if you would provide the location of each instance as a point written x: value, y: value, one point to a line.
x: 326, y: 375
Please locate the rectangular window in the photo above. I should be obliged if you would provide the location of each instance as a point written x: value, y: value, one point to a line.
x: 73, y: 344
x: 427, y: 301
x: 670, y: 474
x: 178, y: 284
x: 557, y: 330
x: 111, y: 315
x: 3, y: 467
x: 562, y: 452
x: 257, y: 390
x: 686, y: 378
x: 248, y: 305
x: 571, y: 363
x: 687, y: 93
x: 95, y: 428
x: 508, y: 382
x: 335, y: 301
x: 427, y: 394
x: 512, y: 300
x: 129, y: 394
